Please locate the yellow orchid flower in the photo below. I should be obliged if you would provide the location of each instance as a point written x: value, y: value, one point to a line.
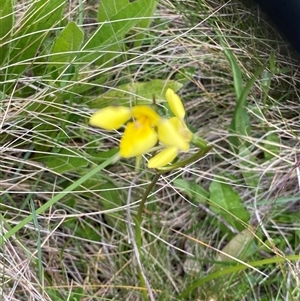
x: 147, y: 128
x: 139, y: 135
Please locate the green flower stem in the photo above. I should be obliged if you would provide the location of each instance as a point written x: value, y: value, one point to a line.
x: 139, y: 216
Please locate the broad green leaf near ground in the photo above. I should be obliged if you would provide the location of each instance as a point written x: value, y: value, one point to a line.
x: 196, y: 193
x: 226, y: 202
x: 238, y: 247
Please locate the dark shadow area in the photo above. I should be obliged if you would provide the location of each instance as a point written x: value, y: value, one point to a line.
x: 285, y: 15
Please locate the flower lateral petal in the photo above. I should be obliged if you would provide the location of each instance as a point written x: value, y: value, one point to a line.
x: 110, y: 118
x: 175, y: 103
x: 169, y: 135
x: 182, y: 129
x: 137, y: 140
x: 163, y: 158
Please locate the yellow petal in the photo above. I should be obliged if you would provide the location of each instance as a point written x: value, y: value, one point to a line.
x: 175, y: 103
x: 145, y: 114
x: 137, y: 140
x: 163, y: 158
x: 169, y: 135
x: 182, y: 129
x: 110, y: 118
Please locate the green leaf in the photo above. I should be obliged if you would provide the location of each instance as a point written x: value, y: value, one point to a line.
x: 240, y: 124
x: 54, y: 294
x: 271, y: 146
x: 117, y: 18
x: 64, y: 160
x: 141, y: 93
x: 248, y: 161
x: 66, y: 45
x: 240, y: 246
x: 236, y: 72
x: 6, y: 18
x: 227, y: 202
x: 6, y: 26
x: 145, y: 23
x: 98, y: 157
x: 195, y: 192
x: 82, y: 229
x: 113, y: 197
x: 78, y: 294
x: 35, y: 26
x: 107, y: 9
x: 266, y: 77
